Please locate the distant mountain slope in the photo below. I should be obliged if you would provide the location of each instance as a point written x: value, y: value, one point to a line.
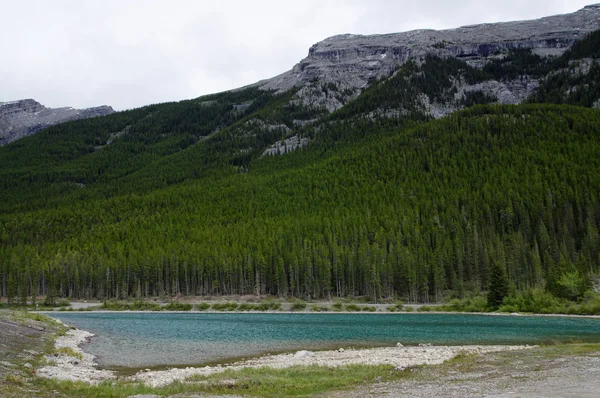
x: 21, y: 118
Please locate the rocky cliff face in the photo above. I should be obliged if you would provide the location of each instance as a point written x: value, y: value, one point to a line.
x: 24, y: 117
x: 350, y: 62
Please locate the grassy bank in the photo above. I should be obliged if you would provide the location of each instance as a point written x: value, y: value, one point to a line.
x: 264, y: 382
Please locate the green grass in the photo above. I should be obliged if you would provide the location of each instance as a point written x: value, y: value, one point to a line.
x: 263, y: 382
x: 560, y: 349
x: 69, y: 352
x: 296, y: 381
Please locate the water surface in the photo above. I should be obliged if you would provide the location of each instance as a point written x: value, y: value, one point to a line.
x: 152, y: 339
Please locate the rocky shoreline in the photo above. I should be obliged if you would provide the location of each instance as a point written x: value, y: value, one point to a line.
x: 70, y: 362
x: 399, y: 357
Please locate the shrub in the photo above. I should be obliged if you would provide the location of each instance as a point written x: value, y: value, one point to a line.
x: 248, y: 307
x: 269, y: 305
x: 174, y: 306
x: 228, y: 306
x: 369, y: 308
x: 469, y: 304
x: 534, y: 300
x: 352, y: 308
x: 137, y: 305
x: 202, y: 306
x: 337, y: 306
x: 298, y: 305
x: 53, y: 302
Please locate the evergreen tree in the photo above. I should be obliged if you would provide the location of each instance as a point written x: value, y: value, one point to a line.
x: 498, y: 288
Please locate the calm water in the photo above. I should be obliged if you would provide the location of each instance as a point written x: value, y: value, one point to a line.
x: 153, y: 339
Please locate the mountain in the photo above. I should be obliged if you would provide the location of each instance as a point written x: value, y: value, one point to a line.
x: 457, y: 154
x: 24, y: 117
x: 352, y: 62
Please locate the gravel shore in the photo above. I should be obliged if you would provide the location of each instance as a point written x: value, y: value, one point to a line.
x: 70, y: 362
x: 81, y: 367
x: 399, y: 357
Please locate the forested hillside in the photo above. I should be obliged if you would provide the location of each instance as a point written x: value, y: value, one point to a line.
x: 412, y: 214
x: 380, y: 201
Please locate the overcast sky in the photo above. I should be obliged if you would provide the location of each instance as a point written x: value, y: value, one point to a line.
x: 129, y: 53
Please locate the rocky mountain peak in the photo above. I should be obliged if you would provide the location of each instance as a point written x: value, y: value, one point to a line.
x: 24, y: 105
x: 24, y: 117
x: 351, y: 61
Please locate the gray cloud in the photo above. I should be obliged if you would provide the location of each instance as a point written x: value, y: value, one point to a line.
x: 129, y: 53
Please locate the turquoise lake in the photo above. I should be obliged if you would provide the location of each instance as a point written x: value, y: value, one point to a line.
x: 139, y: 340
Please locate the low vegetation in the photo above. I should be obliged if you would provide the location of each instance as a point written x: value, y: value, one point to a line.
x: 138, y: 305
x: 229, y: 306
x: 174, y: 306
x: 262, y: 382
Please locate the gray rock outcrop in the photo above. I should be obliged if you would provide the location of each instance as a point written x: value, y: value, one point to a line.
x: 354, y: 60
x: 349, y: 62
x: 21, y: 118
x: 287, y: 145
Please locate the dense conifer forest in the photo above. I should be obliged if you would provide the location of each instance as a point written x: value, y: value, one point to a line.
x: 177, y: 199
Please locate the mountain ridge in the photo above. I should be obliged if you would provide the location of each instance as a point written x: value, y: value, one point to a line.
x: 353, y: 61
x: 24, y: 117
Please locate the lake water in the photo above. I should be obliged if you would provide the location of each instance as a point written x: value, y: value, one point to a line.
x: 153, y: 339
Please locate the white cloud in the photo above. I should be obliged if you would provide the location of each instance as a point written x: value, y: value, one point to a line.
x: 128, y: 53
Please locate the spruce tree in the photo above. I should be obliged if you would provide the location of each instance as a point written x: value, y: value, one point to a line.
x: 498, y: 288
